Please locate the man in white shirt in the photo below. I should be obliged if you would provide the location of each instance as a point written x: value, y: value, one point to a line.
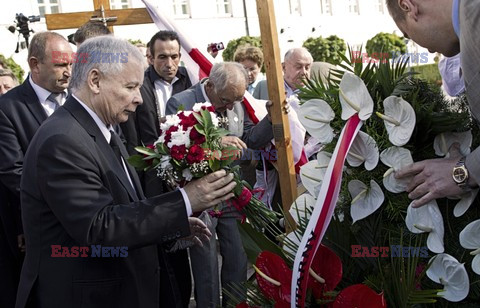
x: 22, y: 111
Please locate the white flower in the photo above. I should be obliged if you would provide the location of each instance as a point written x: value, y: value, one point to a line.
x: 427, y: 218
x: 365, y: 200
x: 311, y: 175
x: 187, y: 174
x: 399, y: 119
x: 214, y: 119
x: 354, y: 97
x: 165, y: 162
x: 396, y: 158
x: 470, y: 239
x: 316, y: 115
x: 180, y: 137
x: 363, y: 150
x: 443, y: 141
x: 198, y: 106
x: 446, y: 270
x: 298, y: 210
x: 170, y: 120
x: 465, y: 201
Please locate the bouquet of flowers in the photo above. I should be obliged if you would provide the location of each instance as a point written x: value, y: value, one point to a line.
x: 190, y: 147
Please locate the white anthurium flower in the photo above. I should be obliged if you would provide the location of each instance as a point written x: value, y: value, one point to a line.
x: 469, y: 239
x: 444, y: 141
x: 363, y: 150
x: 354, y: 97
x: 316, y: 115
x: 427, y: 218
x: 311, y: 175
x: 299, y: 207
x: 396, y: 158
x: 365, y: 200
x: 292, y: 239
x: 323, y: 159
x: 399, y: 119
x: 446, y: 270
x: 465, y: 201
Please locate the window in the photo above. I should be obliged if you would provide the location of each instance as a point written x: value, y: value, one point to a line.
x: 48, y: 7
x: 353, y: 7
x: 119, y: 4
x: 326, y: 7
x: 295, y: 7
x: 380, y: 6
x: 181, y: 8
x: 224, y: 7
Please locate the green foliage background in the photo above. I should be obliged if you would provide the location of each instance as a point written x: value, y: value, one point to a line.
x: 14, y: 67
x: 386, y: 42
x: 241, y: 41
x: 326, y: 49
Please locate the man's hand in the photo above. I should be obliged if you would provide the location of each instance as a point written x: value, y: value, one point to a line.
x: 432, y: 179
x: 233, y: 141
x: 199, y: 231
x: 210, y: 190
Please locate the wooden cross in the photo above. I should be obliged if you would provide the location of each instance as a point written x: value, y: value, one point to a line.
x: 276, y: 93
x: 102, y: 13
x: 268, y: 28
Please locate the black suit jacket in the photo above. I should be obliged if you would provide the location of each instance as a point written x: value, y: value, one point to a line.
x: 75, y: 193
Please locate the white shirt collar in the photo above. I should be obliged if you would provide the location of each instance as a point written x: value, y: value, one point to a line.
x: 42, y: 95
x: 202, y: 86
x: 103, y: 128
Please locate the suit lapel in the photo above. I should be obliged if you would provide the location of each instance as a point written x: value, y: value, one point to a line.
x: 30, y: 99
x: 86, y: 121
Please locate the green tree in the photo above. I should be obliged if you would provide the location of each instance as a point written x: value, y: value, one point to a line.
x: 326, y: 49
x: 234, y: 44
x: 386, y: 43
x: 14, y: 67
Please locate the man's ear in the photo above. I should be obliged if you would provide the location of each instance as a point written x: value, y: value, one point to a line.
x: 33, y: 64
x: 93, y: 80
x: 410, y: 7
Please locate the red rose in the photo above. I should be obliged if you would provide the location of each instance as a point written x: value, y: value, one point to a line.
x: 196, y: 137
x: 209, y: 108
x: 178, y: 152
x: 195, y: 154
x: 241, y: 201
x: 168, y: 133
x: 187, y: 121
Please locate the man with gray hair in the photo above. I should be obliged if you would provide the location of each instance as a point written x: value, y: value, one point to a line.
x: 88, y: 30
x: 224, y: 89
x: 91, y: 235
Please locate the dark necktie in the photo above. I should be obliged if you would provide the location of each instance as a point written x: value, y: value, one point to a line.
x: 55, y: 98
x: 115, y: 145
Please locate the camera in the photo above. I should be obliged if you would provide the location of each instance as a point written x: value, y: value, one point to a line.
x: 21, y: 25
x: 215, y: 47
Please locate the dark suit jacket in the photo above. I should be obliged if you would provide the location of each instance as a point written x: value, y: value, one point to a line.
x: 75, y: 193
x: 239, y: 123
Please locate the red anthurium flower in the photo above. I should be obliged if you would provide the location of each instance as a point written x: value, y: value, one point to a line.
x: 359, y: 296
x: 275, y: 278
x: 328, y: 266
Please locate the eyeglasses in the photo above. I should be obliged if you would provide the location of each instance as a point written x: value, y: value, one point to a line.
x: 226, y: 101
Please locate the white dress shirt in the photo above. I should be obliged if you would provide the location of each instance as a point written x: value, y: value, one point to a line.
x: 163, y: 91
x: 43, y: 95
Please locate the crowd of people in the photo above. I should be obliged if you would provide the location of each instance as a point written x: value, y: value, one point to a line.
x: 66, y: 133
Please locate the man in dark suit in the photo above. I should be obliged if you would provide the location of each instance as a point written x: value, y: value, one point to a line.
x: 79, y: 196
x: 224, y: 88
x: 448, y: 27
x: 162, y: 79
x: 22, y: 110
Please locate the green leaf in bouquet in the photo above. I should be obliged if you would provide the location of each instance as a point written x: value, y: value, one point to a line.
x: 200, y: 129
x: 162, y: 149
x: 229, y: 154
x: 145, y: 151
x: 138, y: 162
x: 180, y: 108
x: 207, y: 119
x: 199, y: 118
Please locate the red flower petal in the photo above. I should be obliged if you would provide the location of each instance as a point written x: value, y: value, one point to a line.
x: 359, y: 296
x: 276, y: 268
x: 327, y: 265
